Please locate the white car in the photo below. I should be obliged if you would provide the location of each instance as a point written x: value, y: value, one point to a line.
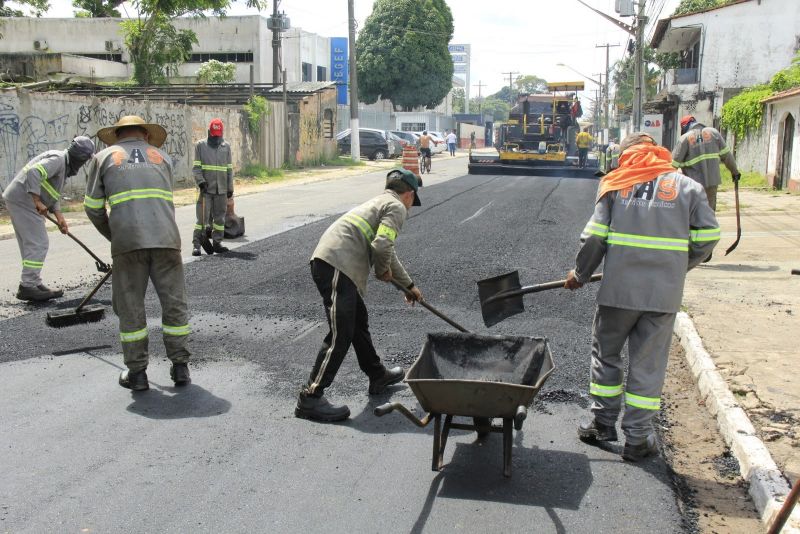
x: 440, y: 145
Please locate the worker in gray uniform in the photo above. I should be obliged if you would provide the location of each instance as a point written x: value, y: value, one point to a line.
x: 134, y: 177
x: 651, y: 225
x: 612, y: 155
x: 361, y: 239
x: 35, y: 191
x: 698, y: 154
x: 213, y: 173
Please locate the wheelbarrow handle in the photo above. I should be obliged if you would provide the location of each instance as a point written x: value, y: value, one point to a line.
x: 520, y: 416
x: 428, y: 307
x: 389, y: 407
x: 524, y: 290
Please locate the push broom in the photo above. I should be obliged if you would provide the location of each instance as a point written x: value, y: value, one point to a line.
x: 84, y: 313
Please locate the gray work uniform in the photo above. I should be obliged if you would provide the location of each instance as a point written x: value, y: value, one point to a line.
x: 650, y: 235
x: 135, y: 179
x: 214, y: 167
x: 698, y: 155
x: 612, y: 156
x: 360, y: 239
x: 45, y: 176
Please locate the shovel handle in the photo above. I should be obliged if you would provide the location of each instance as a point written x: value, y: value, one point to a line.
x: 428, y: 307
x: 524, y: 290
x: 795, y: 271
x: 101, y: 265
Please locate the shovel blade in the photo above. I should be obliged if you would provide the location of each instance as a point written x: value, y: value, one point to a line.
x: 497, y: 310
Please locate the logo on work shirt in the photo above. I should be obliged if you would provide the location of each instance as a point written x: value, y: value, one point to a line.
x: 136, y: 156
x: 665, y: 191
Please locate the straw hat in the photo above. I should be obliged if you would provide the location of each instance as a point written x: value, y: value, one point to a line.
x: 157, y: 133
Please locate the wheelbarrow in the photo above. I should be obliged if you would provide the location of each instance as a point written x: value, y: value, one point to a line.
x: 479, y: 376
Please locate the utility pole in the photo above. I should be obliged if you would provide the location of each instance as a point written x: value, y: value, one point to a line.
x: 355, y: 141
x: 276, y: 43
x: 600, y: 102
x: 607, y: 46
x: 480, y: 85
x: 638, y: 87
x: 511, y: 86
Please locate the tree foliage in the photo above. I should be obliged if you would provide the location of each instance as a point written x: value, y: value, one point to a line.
x: 624, y: 74
x: 402, y: 54
x: 497, y: 107
x: 531, y: 85
x: 459, y: 96
x: 155, y: 45
x: 17, y: 7
x: 97, y: 8
x: 214, y: 71
x: 692, y: 6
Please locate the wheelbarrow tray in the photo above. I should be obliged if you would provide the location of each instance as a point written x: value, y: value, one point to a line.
x: 474, y: 375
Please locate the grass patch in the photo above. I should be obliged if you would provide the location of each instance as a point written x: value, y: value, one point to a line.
x: 261, y: 174
x: 342, y: 161
x: 749, y: 180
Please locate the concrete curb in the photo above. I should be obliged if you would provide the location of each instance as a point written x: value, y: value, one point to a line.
x: 768, y: 487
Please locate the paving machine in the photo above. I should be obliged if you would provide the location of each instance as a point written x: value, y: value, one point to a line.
x: 537, y: 137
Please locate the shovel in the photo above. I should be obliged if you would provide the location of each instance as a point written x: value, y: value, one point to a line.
x: 501, y: 296
x: 738, y: 223
x: 430, y: 308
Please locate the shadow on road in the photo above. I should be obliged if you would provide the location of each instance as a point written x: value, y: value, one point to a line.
x: 177, y: 403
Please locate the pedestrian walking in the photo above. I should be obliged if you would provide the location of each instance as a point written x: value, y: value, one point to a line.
x: 134, y: 177
x: 651, y: 225
x: 583, y: 140
x: 698, y: 154
x: 472, y: 140
x: 213, y: 173
x: 361, y: 239
x: 34, y: 192
x: 451, y: 142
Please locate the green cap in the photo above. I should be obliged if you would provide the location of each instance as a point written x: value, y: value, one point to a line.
x: 408, y: 177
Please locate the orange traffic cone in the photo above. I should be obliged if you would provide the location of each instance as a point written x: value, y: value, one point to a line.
x: 411, y: 160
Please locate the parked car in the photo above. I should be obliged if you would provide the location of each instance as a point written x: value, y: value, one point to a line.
x: 408, y: 137
x: 375, y: 144
x: 397, y: 143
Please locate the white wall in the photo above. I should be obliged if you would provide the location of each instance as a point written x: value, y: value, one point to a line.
x: 776, y: 113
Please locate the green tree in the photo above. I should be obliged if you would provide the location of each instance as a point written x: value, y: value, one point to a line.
x: 498, y: 108
x: 459, y: 96
x: 530, y: 84
x: 624, y: 74
x: 155, y: 45
x: 15, y: 8
x: 214, y: 71
x: 402, y: 54
x: 692, y: 6
x: 97, y: 8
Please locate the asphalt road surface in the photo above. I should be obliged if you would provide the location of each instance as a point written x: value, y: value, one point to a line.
x: 226, y: 453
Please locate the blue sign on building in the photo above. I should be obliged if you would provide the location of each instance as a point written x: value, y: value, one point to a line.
x: 339, y: 71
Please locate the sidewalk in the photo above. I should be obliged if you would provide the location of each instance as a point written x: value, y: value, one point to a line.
x: 746, y: 308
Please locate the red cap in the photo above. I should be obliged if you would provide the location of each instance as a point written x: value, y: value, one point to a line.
x: 686, y: 120
x: 215, y: 127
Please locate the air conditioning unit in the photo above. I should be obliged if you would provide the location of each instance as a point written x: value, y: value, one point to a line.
x: 40, y: 45
x: 113, y: 46
x: 624, y: 8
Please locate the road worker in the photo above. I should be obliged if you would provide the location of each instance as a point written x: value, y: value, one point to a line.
x: 612, y: 155
x: 35, y: 191
x: 698, y: 155
x: 361, y: 239
x: 134, y: 177
x: 213, y: 173
x: 583, y: 141
x: 651, y: 225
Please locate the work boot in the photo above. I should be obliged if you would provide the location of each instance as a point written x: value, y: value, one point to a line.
x: 595, y: 431
x: 196, y: 251
x: 633, y: 452
x: 218, y: 248
x: 179, y: 373
x: 40, y: 293
x: 319, y: 409
x: 134, y: 380
x: 708, y: 259
x: 389, y: 377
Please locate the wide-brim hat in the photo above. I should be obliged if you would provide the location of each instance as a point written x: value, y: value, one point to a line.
x: 157, y: 134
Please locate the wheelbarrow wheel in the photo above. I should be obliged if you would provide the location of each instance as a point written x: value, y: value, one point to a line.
x: 483, y: 426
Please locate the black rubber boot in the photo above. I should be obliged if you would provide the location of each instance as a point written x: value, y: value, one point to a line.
x: 219, y: 249
x: 136, y: 381
x: 179, y: 373
x: 319, y: 409
x: 196, y: 251
x: 389, y: 377
x: 594, y: 431
x: 633, y: 452
x: 40, y: 293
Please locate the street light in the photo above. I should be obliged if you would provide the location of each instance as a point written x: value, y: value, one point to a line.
x: 580, y: 73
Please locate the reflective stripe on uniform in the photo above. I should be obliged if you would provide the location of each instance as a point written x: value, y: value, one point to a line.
x: 136, y: 194
x: 198, y: 226
x: 362, y: 225
x: 387, y: 231
x: 130, y: 337
x: 698, y: 159
x: 176, y: 330
x: 32, y: 264
x: 605, y: 391
x: 218, y: 227
x: 644, y: 241
x: 222, y: 168
x: 93, y: 203
x: 593, y: 228
x: 197, y: 163
x: 645, y: 403
x: 712, y: 234
x: 50, y: 190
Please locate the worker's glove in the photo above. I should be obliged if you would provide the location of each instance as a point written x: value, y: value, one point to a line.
x: 737, y: 177
x: 230, y: 194
x: 203, y: 187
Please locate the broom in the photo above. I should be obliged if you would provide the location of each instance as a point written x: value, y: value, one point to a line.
x: 83, y: 313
